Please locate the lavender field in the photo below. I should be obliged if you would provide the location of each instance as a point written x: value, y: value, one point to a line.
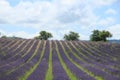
x: 28, y: 59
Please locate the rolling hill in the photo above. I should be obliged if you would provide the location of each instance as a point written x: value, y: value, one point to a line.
x: 28, y: 59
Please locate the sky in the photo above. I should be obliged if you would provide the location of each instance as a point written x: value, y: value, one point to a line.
x: 26, y: 18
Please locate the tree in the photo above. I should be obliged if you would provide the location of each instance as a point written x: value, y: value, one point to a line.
x: 4, y: 36
x: 95, y: 36
x: 100, y: 35
x: 37, y: 37
x: 71, y: 36
x: 104, y: 35
x: 44, y: 35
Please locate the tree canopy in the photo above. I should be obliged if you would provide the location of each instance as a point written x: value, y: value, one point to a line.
x: 4, y: 36
x: 44, y: 35
x: 100, y: 35
x: 71, y: 36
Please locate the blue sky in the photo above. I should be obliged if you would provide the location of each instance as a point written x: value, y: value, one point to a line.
x: 26, y: 18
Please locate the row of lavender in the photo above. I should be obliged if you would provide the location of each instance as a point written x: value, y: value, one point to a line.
x: 18, y: 54
x: 58, y: 60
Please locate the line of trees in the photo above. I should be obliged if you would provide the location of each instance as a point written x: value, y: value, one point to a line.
x: 95, y: 36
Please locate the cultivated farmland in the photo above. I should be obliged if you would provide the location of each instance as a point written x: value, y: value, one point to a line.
x: 23, y: 59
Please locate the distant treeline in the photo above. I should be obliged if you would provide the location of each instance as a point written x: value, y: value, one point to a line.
x: 95, y: 36
x: 114, y: 41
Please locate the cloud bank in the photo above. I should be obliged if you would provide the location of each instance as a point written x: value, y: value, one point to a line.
x: 58, y: 16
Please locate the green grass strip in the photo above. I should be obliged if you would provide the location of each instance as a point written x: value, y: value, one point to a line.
x: 7, y: 45
x: 28, y: 73
x: 78, y: 50
x: 21, y: 49
x: 26, y: 61
x: 94, y: 48
x: 95, y: 66
x: 34, y: 52
x: 19, y: 45
x: 49, y: 74
x: 29, y: 49
x: 74, y: 53
x: 80, y: 67
x: 67, y: 70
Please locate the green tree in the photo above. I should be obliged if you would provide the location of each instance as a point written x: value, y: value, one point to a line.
x: 44, y: 35
x: 95, y: 36
x: 100, y: 35
x: 104, y: 35
x: 71, y: 36
x: 4, y: 36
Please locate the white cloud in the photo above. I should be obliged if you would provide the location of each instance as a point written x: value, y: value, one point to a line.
x: 62, y: 15
x: 111, y: 11
x: 2, y: 32
x: 22, y: 34
x: 43, y: 12
x: 115, y: 30
x: 99, y: 3
x: 106, y: 22
x: 84, y: 37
